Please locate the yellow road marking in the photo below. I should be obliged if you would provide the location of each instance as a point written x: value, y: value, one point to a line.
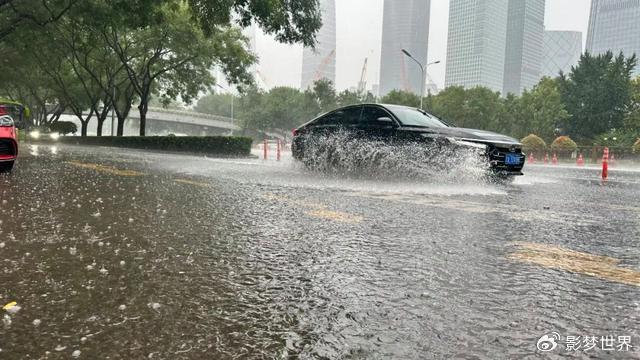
x: 335, y: 216
x: 191, y: 182
x: 317, y: 210
x: 105, y: 169
x: 554, y: 257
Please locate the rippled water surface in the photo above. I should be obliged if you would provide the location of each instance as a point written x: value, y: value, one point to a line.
x: 126, y: 254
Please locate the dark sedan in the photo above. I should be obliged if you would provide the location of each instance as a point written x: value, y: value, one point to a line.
x: 397, y: 125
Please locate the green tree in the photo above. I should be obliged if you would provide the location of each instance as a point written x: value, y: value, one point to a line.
x: 478, y: 107
x: 632, y: 114
x: 541, y: 110
x: 217, y: 104
x: 401, y: 97
x: 320, y: 98
x: 348, y: 97
x: 596, y: 94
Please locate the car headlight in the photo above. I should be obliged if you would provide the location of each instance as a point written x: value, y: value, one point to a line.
x: 6, y: 121
x: 35, y: 134
x: 54, y: 136
x: 468, y: 144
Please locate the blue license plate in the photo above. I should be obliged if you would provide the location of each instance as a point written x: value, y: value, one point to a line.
x: 512, y: 159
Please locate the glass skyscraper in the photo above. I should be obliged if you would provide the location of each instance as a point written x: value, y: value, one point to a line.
x: 405, y: 26
x: 523, y: 52
x: 615, y: 25
x: 476, y: 43
x: 321, y: 63
x: 561, y: 51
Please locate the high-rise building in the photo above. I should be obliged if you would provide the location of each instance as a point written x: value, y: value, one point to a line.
x: 561, y: 51
x: 320, y: 63
x: 476, y: 43
x: 523, y: 52
x: 615, y: 25
x: 405, y: 26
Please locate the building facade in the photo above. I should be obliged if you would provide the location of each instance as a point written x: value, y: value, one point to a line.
x: 320, y: 63
x: 405, y: 26
x: 615, y: 25
x: 476, y: 43
x: 561, y: 51
x: 523, y: 51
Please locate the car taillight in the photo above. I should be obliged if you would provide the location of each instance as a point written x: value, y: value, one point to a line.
x: 294, y: 132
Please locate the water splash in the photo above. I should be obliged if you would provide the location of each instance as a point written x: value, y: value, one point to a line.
x: 342, y: 154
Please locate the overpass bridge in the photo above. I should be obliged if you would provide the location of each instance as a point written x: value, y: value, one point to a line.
x: 164, y: 121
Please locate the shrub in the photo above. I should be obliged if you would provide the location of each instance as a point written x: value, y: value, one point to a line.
x: 636, y: 147
x: 63, y: 127
x: 564, y: 144
x: 533, y: 143
x: 213, y: 145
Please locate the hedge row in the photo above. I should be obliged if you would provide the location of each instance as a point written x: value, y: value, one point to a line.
x: 211, y: 145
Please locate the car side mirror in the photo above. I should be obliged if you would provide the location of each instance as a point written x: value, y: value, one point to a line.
x: 385, y: 120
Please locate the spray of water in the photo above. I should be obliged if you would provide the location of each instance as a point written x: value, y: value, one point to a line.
x: 344, y: 155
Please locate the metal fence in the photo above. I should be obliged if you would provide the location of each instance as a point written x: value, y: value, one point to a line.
x: 590, y: 155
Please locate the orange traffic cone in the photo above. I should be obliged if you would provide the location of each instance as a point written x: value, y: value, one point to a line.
x: 532, y: 159
x: 605, y: 164
x: 554, y: 159
x: 580, y: 160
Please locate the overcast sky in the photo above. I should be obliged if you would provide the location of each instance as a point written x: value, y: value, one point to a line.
x: 359, y: 34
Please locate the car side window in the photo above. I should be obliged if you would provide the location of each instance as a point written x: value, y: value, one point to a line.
x: 371, y: 114
x: 342, y: 117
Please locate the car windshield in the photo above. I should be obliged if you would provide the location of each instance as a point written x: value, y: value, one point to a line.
x: 415, y: 117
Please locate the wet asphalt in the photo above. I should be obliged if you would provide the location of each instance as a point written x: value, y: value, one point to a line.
x: 125, y: 254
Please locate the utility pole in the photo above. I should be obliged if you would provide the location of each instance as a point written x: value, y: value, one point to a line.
x: 423, y: 79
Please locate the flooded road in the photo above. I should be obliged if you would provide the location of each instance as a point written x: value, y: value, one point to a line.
x: 112, y: 253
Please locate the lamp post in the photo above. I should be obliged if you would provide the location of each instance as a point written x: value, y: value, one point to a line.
x: 423, y: 69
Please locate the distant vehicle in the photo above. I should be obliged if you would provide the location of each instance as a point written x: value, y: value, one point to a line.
x: 396, y: 125
x: 9, y: 135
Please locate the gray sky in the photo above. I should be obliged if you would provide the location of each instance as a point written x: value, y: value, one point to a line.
x: 359, y: 34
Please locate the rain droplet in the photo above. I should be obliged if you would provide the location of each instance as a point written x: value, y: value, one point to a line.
x: 75, y: 354
x: 122, y: 307
x: 154, y: 306
x: 36, y: 322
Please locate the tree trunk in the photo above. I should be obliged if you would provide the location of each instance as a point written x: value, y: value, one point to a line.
x: 83, y: 128
x: 143, y: 118
x: 120, y: 130
x: 99, y: 129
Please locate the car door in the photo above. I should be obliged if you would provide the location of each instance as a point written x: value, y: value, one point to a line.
x: 341, y: 120
x: 377, y: 124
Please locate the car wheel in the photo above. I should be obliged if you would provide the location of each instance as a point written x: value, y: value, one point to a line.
x: 6, y: 167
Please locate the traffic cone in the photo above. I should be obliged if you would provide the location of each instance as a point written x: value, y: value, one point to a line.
x: 532, y: 159
x: 580, y: 160
x: 546, y: 159
x: 554, y: 159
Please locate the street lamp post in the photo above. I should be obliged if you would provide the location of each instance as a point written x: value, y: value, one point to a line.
x: 423, y: 79
x: 232, y: 99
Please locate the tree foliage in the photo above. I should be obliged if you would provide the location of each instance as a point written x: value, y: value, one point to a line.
x: 564, y: 144
x: 533, y: 143
x: 596, y: 94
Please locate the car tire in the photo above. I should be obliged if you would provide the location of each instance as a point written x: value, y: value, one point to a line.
x: 6, y: 167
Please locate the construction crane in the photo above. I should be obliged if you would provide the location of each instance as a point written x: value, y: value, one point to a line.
x: 362, y: 85
x: 318, y: 75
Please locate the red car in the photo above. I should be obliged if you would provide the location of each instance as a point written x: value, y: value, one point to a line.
x: 8, y: 141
